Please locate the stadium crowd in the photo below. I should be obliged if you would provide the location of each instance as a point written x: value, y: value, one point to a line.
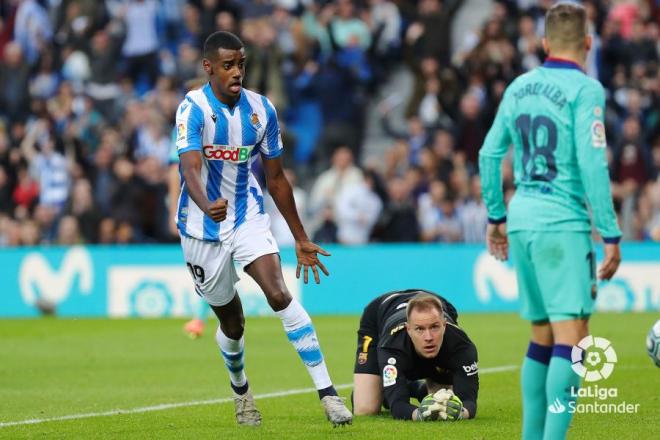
x: 89, y: 89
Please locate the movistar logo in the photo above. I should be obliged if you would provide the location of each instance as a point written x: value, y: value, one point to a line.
x: 38, y: 279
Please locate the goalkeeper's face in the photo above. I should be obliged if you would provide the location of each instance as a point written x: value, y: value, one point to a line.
x: 426, y: 329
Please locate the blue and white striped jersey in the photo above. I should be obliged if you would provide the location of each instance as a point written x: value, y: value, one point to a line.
x: 229, y: 140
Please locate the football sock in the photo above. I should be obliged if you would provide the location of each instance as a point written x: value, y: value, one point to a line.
x: 533, y: 377
x: 232, y: 353
x: 301, y: 333
x: 561, y: 378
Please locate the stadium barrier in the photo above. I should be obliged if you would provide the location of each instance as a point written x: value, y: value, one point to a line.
x: 152, y: 280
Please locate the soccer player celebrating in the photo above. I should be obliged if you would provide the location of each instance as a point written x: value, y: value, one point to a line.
x: 221, y: 128
x: 553, y: 116
x: 410, y: 345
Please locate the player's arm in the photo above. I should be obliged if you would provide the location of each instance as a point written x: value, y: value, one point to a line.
x: 280, y: 190
x: 395, y: 385
x: 282, y: 194
x: 591, y: 149
x: 491, y: 154
x: 466, y: 381
x: 189, y: 125
x: 173, y: 186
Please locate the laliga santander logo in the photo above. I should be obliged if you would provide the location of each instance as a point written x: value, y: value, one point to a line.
x: 593, y: 358
x: 227, y: 153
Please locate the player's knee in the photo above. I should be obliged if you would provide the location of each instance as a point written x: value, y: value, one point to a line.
x: 366, y: 408
x: 279, y: 300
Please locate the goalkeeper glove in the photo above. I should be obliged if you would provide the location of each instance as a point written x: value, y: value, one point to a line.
x: 452, y: 409
x: 429, y: 409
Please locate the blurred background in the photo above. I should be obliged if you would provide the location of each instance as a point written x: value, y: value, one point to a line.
x: 383, y: 106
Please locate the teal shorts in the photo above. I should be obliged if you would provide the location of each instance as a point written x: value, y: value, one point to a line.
x: 556, y: 274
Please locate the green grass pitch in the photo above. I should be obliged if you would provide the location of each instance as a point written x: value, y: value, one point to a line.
x: 67, y: 367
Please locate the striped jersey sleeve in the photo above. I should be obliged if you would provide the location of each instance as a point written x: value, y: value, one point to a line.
x: 271, y: 145
x: 189, y: 126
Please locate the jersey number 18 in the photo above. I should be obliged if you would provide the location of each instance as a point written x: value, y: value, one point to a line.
x: 539, y: 140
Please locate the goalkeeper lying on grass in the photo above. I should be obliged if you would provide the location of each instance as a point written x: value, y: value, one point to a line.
x: 409, y: 345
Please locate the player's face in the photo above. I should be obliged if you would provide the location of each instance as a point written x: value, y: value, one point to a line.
x: 426, y: 329
x: 226, y: 73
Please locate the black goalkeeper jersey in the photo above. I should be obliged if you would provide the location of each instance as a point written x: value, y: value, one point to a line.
x: 399, y: 363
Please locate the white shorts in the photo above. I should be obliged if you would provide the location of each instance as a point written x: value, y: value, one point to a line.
x: 211, y: 264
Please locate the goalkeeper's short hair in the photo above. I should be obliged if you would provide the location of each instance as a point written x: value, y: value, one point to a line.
x: 423, y: 302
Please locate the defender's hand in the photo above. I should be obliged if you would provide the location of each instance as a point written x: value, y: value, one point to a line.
x: 217, y: 210
x: 306, y: 252
x: 611, y: 262
x: 498, y: 242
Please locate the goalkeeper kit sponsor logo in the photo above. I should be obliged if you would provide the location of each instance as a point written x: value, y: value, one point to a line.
x: 227, y: 153
x: 471, y: 370
x: 593, y: 359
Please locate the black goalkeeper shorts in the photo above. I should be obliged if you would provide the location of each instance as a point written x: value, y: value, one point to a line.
x: 366, y: 356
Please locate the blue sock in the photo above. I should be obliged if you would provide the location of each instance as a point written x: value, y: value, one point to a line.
x: 533, y: 378
x: 561, y: 379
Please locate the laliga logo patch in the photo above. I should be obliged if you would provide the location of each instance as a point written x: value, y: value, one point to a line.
x: 598, y: 135
x: 389, y: 375
x: 593, y: 358
x: 180, y: 132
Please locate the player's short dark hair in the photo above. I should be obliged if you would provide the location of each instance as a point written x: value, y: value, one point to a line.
x: 566, y: 25
x: 221, y: 40
x: 424, y: 301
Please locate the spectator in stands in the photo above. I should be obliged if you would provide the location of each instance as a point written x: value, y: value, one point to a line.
x: 14, y: 81
x: 330, y: 183
x: 357, y: 208
x: 398, y: 221
x: 105, y: 77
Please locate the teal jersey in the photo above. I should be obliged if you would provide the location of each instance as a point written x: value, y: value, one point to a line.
x: 553, y: 117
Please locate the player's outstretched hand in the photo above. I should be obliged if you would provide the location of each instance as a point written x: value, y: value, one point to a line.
x: 611, y: 262
x: 217, y: 210
x: 306, y: 252
x: 498, y: 242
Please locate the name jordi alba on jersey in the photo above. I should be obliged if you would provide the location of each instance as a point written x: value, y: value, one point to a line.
x: 229, y: 140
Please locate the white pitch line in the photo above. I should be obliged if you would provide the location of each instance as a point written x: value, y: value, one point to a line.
x: 164, y: 406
